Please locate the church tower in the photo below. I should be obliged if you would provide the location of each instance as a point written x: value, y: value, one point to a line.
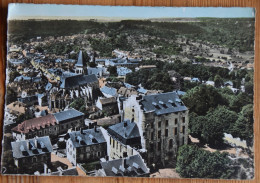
x: 81, y: 65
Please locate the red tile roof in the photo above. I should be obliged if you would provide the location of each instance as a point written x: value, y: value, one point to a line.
x: 35, y: 124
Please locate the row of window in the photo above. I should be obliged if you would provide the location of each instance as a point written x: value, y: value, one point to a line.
x: 115, y: 144
x: 35, y: 159
x: 166, y: 133
x: 170, y: 144
x: 44, y: 132
x: 167, y: 122
x: 52, y: 130
x: 98, y: 154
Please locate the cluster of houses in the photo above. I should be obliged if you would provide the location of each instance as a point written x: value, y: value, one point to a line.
x: 124, y: 129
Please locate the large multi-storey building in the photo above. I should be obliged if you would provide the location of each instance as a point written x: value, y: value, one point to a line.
x: 86, y: 146
x: 124, y: 139
x: 50, y: 125
x: 71, y: 86
x: 162, y: 120
x: 31, y: 155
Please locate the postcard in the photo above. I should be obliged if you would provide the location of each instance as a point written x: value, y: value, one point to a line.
x: 129, y: 91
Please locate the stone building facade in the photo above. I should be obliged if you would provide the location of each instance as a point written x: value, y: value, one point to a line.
x: 162, y: 120
x: 86, y: 146
x: 124, y: 139
x: 31, y: 155
x: 72, y: 87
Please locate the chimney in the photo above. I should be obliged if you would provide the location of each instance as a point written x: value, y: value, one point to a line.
x: 107, y: 158
x: 124, y: 154
x: 35, y: 142
x: 95, y: 128
x: 81, y: 130
x: 125, y: 163
x: 45, y: 168
x: 125, y: 123
x: 124, y: 159
x: 29, y: 145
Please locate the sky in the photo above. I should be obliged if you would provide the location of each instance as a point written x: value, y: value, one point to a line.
x: 20, y: 10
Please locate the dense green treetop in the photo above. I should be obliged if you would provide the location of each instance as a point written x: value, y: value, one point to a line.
x: 202, y: 98
x: 193, y: 162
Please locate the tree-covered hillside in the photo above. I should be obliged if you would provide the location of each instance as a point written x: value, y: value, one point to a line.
x: 233, y: 33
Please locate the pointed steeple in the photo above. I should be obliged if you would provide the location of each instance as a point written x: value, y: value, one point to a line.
x: 81, y: 65
x: 81, y: 60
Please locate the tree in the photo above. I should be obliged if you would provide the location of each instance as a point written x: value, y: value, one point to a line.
x: 244, y: 126
x: 237, y: 102
x: 218, y: 121
x: 79, y: 104
x: 196, y: 124
x: 201, y: 98
x: 112, y: 70
x: 249, y: 87
x: 218, y: 81
x: 154, y: 79
x: 193, y: 162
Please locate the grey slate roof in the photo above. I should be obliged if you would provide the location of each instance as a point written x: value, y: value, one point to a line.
x: 134, y: 167
x: 81, y: 60
x: 69, y: 114
x: 88, y: 137
x: 77, y: 80
x: 21, y: 149
x: 128, y: 132
x: 109, y: 91
x: 163, y: 103
x: 122, y: 71
x: 95, y: 71
x: 180, y: 92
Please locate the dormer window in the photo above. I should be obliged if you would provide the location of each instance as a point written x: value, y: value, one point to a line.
x: 164, y: 105
x: 174, y: 105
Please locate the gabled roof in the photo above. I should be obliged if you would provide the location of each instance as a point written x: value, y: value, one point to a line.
x: 96, y: 70
x: 88, y: 137
x: 68, y: 114
x: 81, y: 60
x: 31, y: 147
x: 126, y: 130
x: 77, y: 80
x: 162, y: 103
x: 122, y: 71
x: 35, y: 124
x: 109, y: 91
x: 133, y: 166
